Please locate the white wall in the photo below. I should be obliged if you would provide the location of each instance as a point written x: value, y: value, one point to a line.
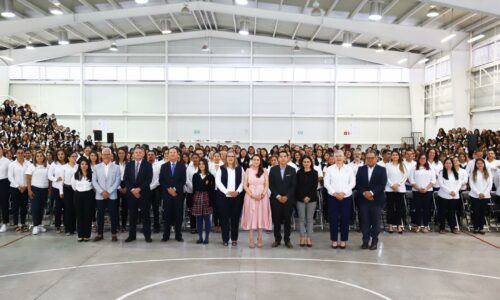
x: 261, y: 113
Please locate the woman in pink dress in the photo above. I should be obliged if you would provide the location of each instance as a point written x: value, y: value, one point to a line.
x: 256, y: 207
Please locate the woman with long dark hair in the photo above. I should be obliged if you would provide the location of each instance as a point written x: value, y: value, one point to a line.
x: 422, y: 179
x: 480, y: 187
x: 4, y: 190
x: 203, y: 199
x: 69, y: 171
x: 395, y: 191
x: 256, y: 206
x: 121, y: 161
x: 83, y: 197
x: 307, y: 198
x: 449, y: 194
x: 38, y: 189
x: 55, y: 175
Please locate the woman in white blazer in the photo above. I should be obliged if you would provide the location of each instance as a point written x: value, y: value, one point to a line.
x: 480, y: 187
x: 449, y: 194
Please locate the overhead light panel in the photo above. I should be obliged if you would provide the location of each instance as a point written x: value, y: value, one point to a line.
x: 113, y: 47
x: 56, y: 10
x: 141, y: 1
x: 449, y: 37
x: 375, y: 10
x: 185, y: 10
x: 63, y: 37
x: 165, y: 26
x: 432, y: 12
x: 402, y: 61
x: 380, y: 48
x: 8, y: 9
x: 296, y: 48
x: 205, y: 48
x: 347, y: 40
x: 316, y: 11
x: 423, y: 61
x: 475, y: 38
x: 241, y: 2
x: 243, y: 27
x: 30, y: 45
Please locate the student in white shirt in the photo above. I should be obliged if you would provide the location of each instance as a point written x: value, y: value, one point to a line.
x: 449, y: 194
x: 409, y: 163
x: 339, y: 182
x: 37, y: 183
x: 154, y: 187
x: 69, y: 171
x: 191, y: 169
x: 395, y: 191
x: 464, y: 180
x: 82, y: 185
x: 56, y: 177
x: 422, y: 179
x: 386, y: 158
x: 436, y: 165
x: 357, y: 162
x: 492, y: 162
x: 4, y: 190
x: 480, y: 187
x: 18, y: 193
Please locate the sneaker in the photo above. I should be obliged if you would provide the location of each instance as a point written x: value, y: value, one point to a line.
x: 3, y: 228
x: 41, y: 228
x: 35, y: 230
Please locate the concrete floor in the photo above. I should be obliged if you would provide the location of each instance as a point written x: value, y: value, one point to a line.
x: 408, y: 266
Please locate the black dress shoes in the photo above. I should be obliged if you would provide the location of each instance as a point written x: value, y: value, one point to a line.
x: 180, y: 239
x: 373, y: 246
x: 364, y: 246
x: 149, y: 240
x: 129, y: 239
x: 276, y: 244
x: 165, y: 239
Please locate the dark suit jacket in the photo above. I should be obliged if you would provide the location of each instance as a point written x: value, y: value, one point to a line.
x: 282, y: 187
x: 177, y: 181
x: 376, y: 184
x: 144, y: 177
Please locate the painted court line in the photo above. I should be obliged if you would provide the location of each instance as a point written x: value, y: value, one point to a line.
x: 252, y: 259
x: 251, y: 272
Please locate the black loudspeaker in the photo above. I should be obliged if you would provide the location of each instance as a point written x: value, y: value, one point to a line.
x: 111, y: 138
x: 471, y: 144
x: 97, y: 135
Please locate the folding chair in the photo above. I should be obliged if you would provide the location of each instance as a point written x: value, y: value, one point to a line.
x: 467, y: 210
x: 408, y: 198
x: 435, y: 212
x: 406, y: 215
x: 319, y: 210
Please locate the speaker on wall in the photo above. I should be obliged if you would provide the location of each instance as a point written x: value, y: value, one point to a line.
x: 111, y: 137
x: 97, y: 135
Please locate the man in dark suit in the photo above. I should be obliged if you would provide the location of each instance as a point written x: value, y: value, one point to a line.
x: 137, y: 178
x: 172, y: 181
x: 370, y: 184
x: 282, y: 182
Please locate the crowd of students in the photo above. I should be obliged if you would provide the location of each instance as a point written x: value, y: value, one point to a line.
x: 230, y: 187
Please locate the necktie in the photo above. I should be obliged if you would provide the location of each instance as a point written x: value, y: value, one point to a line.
x: 172, y: 167
x: 137, y: 164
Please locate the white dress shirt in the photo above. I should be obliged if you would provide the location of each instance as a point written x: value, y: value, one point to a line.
x: 122, y: 170
x: 82, y: 185
x: 470, y: 166
x: 464, y: 178
x: 409, y: 165
x: 39, y: 176
x: 355, y: 166
x: 155, y: 182
x: 231, y: 181
x: 382, y: 163
x: 446, y: 186
x: 190, y: 171
x: 395, y: 176
x: 437, y: 167
x: 4, y: 168
x: 480, y: 185
x: 17, y: 173
x: 422, y: 178
x: 320, y: 174
x: 68, y: 174
x: 106, y: 168
x: 214, y: 167
x: 340, y: 180
x: 496, y: 180
x: 56, y: 171
x: 370, y: 172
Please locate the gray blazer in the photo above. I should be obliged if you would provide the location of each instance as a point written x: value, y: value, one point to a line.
x: 108, y: 184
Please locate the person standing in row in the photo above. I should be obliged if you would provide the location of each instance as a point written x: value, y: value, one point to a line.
x: 371, y: 180
x: 422, y: 179
x: 121, y: 161
x: 339, y: 182
x: 395, y: 190
x: 4, y: 190
x: 282, y: 182
x: 155, y: 197
x: 19, y: 194
x: 449, y: 192
x: 203, y: 199
x: 188, y: 189
x: 307, y: 198
x: 69, y: 171
x: 172, y: 181
x: 56, y: 177
x: 84, y: 199
x: 137, y: 178
x: 480, y: 188
x: 229, y: 182
x: 106, y: 180
x: 37, y: 183
x: 256, y: 206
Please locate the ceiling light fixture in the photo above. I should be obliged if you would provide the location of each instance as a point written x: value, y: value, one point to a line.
x: 423, y: 61
x: 347, y: 40
x: 56, y: 11
x: 185, y: 10
x: 449, y: 37
x: 402, y: 61
x: 8, y: 9
x: 316, y: 11
x: 205, y: 47
x: 476, y: 38
x: 141, y: 1
x: 243, y: 27
x: 379, y: 48
x: 165, y: 26
x: 63, y: 37
x: 30, y: 45
x: 241, y: 2
x: 375, y: 10
x: 113, y: 47
x: 432, y: 12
